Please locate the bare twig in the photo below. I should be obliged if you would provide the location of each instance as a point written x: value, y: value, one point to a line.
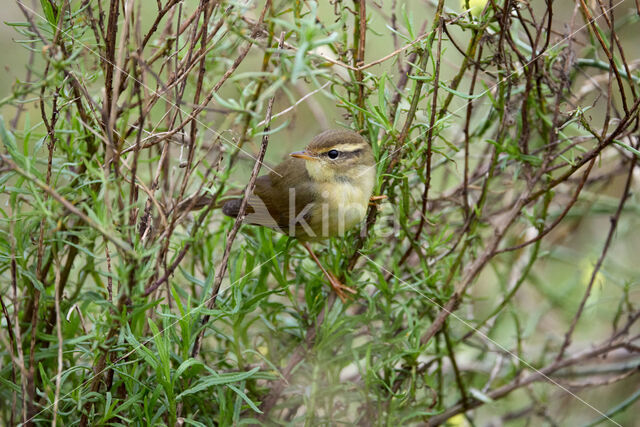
x: 57, y: 296
x: 236, y: 226
x: 614, y: 224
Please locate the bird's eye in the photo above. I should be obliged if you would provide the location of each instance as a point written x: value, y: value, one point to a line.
x: 333, y: 154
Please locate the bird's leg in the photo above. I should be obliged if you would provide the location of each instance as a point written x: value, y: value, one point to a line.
x: 337, y: 286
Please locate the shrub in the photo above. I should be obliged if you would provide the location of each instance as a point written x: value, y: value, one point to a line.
x: 496, y: 282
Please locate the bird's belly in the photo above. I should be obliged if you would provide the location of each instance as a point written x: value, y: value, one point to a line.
x: 341, y: 207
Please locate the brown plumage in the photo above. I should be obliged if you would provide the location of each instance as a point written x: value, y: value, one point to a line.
x: 291, y: 197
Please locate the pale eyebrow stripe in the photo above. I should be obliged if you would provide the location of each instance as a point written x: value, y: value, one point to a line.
x: 345, y: 148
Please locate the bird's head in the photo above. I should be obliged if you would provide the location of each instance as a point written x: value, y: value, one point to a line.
x: 340, y: 155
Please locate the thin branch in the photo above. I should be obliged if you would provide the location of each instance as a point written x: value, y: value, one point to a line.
x: 234, y: 230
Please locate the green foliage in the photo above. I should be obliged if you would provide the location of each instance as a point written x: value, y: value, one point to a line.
x: 490, y: 282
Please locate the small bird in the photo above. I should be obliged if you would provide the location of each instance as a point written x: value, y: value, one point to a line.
x: 318, y: 193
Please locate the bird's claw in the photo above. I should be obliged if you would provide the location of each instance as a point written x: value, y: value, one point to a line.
x: 339, y: 288
x: 374, y: 199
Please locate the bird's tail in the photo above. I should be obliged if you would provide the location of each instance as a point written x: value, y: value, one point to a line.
x: 196, y: 202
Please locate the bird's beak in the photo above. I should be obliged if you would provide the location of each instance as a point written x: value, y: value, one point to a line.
x: 303, y: 155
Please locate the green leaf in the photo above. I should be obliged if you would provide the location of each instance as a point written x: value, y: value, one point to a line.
x: 47, y: 8
x: 482, y: 397
x: 458, y: 93
x: 186, y: 365
x: 244, y: 397
x: 143, y: 351
x: 627, y: 147
x: 216, y: 379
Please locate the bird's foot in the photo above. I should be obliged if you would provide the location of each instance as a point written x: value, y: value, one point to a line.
x: 374, y: 199
x: 340, y: 289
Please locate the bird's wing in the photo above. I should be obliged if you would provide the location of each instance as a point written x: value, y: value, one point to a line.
x: 256, y: 211
x: 269, y: 204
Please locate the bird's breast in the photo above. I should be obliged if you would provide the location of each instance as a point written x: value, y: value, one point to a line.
x: 343, y: 204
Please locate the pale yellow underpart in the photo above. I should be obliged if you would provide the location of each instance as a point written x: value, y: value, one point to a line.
x: 343, y: 203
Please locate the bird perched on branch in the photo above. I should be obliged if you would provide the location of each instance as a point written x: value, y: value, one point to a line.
x: 315, y: 194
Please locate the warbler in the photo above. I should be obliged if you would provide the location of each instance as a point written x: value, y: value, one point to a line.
x: 318, y: 193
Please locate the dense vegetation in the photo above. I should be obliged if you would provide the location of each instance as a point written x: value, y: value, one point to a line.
x: 498, y: 281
